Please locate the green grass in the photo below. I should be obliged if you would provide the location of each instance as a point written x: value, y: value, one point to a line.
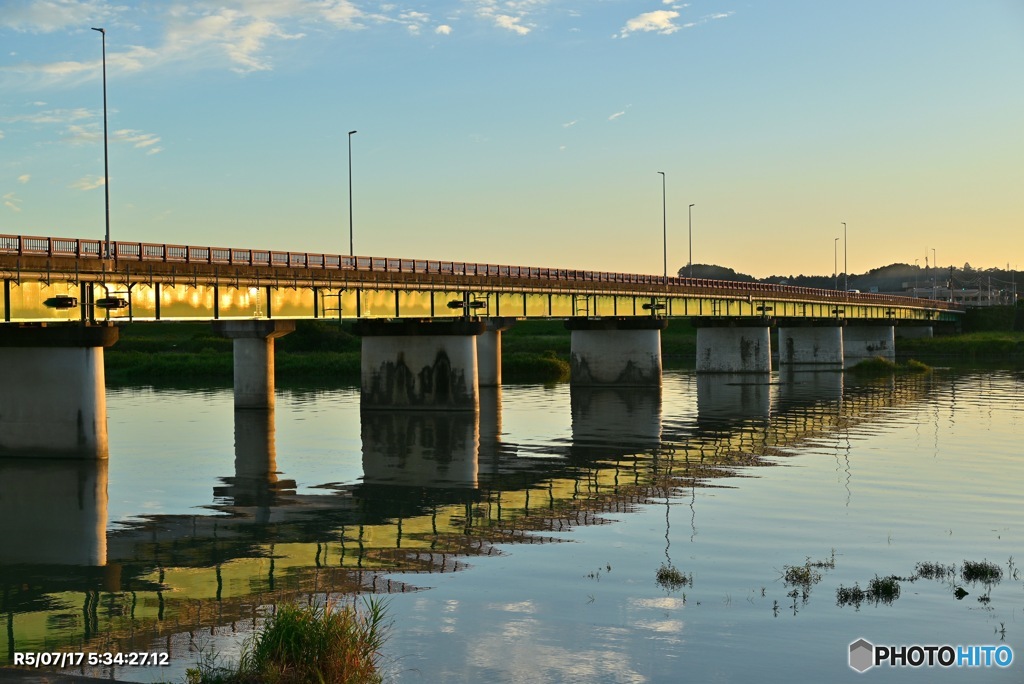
x: 299, y: 644
x: 968, y: 346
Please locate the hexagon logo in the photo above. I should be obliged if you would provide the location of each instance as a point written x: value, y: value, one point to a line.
x: 862, y: 655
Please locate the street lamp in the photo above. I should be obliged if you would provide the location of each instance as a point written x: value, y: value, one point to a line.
x: 835, y: 262
x: 351, y: 251
x: 106, y: 167
x: 664, y: 225
x: 691, y: 238
x: 846, y: 271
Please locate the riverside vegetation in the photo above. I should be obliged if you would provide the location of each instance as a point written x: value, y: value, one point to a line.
x: 300, y: 644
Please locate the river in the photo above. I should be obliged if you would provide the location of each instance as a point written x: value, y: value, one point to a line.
x: 723, y: 529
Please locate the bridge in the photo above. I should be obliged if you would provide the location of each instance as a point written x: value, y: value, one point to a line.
x: 431, y: 329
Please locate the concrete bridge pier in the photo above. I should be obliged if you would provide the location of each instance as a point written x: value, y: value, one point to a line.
x: 488, y: 351
x: 53, y: 399
x: 726, y: 347
x: 615, y: 351
x: 910, y: 331
x: 419, y: 364
x: 808, y: 346
x: 862, y: 340
x: 253, y: 345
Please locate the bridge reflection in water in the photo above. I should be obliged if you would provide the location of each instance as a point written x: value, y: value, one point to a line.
x: 437, y: 489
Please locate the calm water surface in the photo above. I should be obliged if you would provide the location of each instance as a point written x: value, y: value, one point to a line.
x: 524, y: 544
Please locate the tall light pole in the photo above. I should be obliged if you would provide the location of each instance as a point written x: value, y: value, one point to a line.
x: 664, y: 224
x: 106, y: 166
x: 835, y: 261
x: 351, y: 251
x: 846, y: 272
x: 690, y: 211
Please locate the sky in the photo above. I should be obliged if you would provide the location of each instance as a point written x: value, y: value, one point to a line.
x: 526, y: 132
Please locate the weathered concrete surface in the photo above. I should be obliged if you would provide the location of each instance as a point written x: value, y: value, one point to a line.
x: 862, y: 342
x: 738, y: 349
x: 53, y: 399
x: 613, y: 351
x: 419, y: 364
x: 811, y: 347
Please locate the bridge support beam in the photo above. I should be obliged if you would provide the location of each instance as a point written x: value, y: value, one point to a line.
x: 806, y: 346
x: 488, y: 351
x: 615, y: 351
x: 253, y: 345
x: 419, y: 364
x: 53, y: 399
x: 723, y: 347
x: 865, y: 341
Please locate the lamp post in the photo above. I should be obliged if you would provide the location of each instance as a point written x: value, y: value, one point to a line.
x: 846, y: 272
x: 106, y: 167
x: 664, y: 226
x: 351, y: 251
x: 835, y: 262
x: 690, y: 211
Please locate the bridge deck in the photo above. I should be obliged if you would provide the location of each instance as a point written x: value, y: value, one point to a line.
x: 162, y: 281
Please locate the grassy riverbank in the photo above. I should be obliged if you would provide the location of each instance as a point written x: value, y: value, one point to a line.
x: 532, y: 351
x: 986, y: 348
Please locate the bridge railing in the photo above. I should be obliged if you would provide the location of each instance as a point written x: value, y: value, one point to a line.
x: 146, y: 251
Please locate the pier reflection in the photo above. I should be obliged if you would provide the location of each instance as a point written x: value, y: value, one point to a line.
x: 615, y: 420
x: 731, y: 396
x: 53, y: 511
x: 420, y: 448
x: 255, y: 483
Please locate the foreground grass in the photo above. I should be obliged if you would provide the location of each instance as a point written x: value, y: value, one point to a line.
x: 298, y: 644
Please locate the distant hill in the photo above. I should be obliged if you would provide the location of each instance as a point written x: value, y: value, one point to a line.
x: 894, y: 278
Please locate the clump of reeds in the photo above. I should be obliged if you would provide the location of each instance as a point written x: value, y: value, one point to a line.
x: 671, y: 578
x: 880, y: 590
x: 320, y: 642
x: 981, y: 571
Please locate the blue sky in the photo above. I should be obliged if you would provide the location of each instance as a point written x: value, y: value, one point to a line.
x: 526, y: 131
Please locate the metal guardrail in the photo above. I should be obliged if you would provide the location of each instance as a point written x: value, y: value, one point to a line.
x: 27, y: 245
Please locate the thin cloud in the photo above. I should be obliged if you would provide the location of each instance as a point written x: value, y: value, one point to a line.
x: 24, y: 178
x: 47, y: 16
x: 508, y: 15
x: 570, y: 124
x: 11, y: 202
x: 616, y: 115
x: 659, y: 21
x: 444, y: 30
x: 87, y: 183
x: 138, y: 140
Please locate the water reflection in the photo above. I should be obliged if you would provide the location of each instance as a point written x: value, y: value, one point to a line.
x: 437, y: 488
x: 420, y: 448
x: 615, y: 420
x: 255, y: 483
x: 53, y: 511
x: 728, y: 397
